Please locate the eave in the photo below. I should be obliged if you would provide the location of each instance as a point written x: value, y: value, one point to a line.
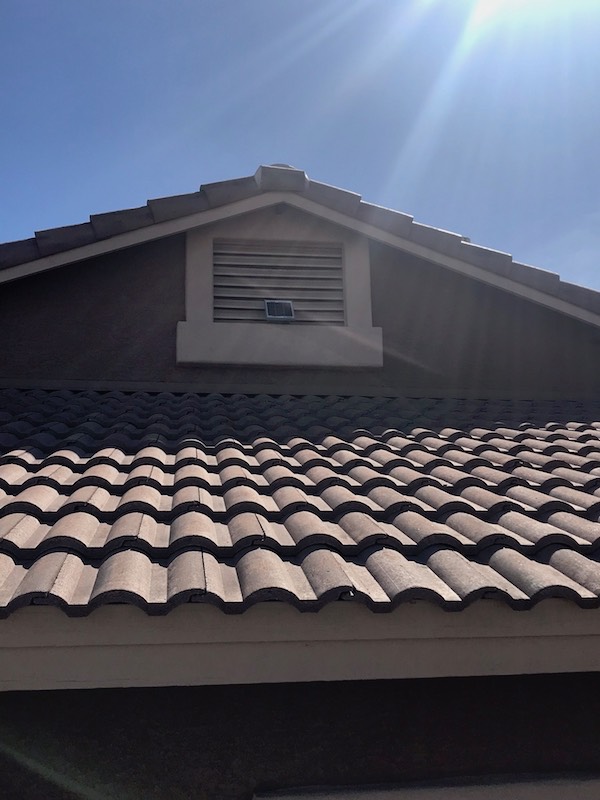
x: 120, y: 646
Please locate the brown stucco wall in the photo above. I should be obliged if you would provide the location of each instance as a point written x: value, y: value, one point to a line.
x: 112, y: 321
x: 226, y: 742
x: 105, y: 319
x: 447, y: 333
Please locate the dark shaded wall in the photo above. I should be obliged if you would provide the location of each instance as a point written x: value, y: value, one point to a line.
x: 463, y: 336
x: 226, y: 742
x: 113, y: 320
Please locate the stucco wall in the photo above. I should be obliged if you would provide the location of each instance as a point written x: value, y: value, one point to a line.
x: 225, y: 742
x: 444, y: 332
x: 113, y: 321
x: 106, y: 319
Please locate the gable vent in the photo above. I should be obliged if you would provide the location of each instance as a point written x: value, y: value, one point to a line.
x: 249, y: 272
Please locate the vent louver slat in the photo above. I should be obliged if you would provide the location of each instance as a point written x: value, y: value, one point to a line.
x: 248, y: 272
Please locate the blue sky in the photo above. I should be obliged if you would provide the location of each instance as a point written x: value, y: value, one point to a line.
x: 477, y: 116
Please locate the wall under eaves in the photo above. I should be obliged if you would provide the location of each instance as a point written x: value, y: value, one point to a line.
x: 111, y: 322
x: 470, y: 338
x: 226, y: 742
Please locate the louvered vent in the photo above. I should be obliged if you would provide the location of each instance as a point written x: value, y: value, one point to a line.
x: 248, y: 272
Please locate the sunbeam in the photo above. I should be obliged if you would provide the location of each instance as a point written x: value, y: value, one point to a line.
x: 500, y: 47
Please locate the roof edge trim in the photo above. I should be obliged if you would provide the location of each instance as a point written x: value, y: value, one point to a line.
x: 173, y: 227
x: 42, y: 648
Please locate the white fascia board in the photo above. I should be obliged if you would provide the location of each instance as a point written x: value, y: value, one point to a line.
x: 197, y: 644
x: 171, y: 227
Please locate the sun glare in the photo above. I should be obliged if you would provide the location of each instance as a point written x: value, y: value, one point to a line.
x: 489, y: 11
x: 516, y: 37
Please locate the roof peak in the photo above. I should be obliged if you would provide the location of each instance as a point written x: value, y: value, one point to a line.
x: 284, y: 178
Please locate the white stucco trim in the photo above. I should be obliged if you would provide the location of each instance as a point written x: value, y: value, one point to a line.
x: 197, y: 644
x: 200, y: 340
x: 237, y: 208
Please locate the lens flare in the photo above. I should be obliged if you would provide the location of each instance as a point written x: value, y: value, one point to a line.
x: 487, y: 12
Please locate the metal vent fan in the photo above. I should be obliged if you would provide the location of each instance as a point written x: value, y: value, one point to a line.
x: 279, y: 310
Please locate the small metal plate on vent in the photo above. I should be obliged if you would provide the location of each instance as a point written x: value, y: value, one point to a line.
x: 310, y: 275
x: 279, y: 310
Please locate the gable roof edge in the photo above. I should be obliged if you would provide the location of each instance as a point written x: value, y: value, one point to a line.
x: 367, y: 228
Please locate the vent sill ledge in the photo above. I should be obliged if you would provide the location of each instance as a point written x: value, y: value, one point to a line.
x: 270, y: 344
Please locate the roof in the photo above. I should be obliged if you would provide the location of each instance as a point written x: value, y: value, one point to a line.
x: 75, y: 241
x: 164, y: 499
